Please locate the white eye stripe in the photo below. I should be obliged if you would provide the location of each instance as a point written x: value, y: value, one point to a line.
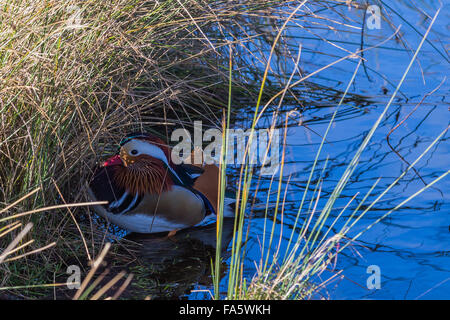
x: 151, y: 150
x: 147, y: 148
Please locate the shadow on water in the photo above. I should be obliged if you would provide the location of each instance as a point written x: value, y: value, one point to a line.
x: 170, y: 268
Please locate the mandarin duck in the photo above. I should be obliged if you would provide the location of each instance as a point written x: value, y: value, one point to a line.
x: 148, y: 193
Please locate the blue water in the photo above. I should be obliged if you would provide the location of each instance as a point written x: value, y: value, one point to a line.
x: 411, y: 246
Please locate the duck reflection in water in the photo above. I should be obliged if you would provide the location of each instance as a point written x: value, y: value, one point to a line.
x: 171, y: 267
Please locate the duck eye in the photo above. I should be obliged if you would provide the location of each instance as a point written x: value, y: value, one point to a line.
x: 134, y: 152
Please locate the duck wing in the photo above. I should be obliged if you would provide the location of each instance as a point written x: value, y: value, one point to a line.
x: 186, y: 175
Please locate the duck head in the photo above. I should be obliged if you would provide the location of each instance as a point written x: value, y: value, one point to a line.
x: 143, y: 165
